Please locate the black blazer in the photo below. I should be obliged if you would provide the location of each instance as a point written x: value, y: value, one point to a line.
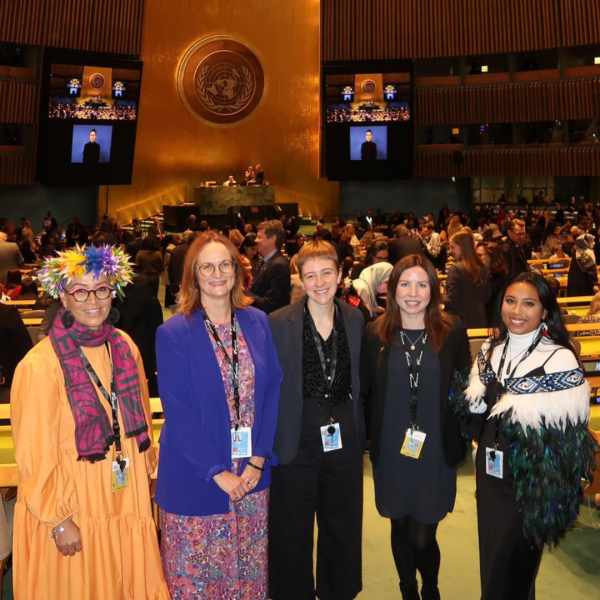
x: 465, y: 298
x: 286, y: 325
x: 272, y: 287
x: 454, y: 354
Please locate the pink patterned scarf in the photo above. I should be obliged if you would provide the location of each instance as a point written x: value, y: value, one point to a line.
x: 93, y: 428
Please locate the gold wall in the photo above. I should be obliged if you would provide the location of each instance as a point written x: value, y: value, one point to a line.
x: 174, y: 148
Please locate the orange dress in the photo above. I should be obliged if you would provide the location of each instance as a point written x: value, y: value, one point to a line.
x: 120, y: 558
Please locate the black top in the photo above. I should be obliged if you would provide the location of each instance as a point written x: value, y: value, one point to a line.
x: 453, y: 355
x: 313, y: 378
x: 368, y: 151
x: 432, y: 490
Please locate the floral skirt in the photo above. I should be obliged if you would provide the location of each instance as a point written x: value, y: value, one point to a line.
x: 218, y: 557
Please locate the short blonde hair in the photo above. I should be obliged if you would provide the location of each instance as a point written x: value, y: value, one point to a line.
x: 315, y: 249
x: 190, y: 297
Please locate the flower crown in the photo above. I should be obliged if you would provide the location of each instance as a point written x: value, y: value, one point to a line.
x: 111, y: 261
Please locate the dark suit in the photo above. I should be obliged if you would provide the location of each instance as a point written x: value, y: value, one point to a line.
x: 16, y: 343
x: 403, y: 246
x: 465, y: 298
x: 309, y: 481
x: 271, y: 287
x: 140, y: 315
x: 175, y: 267
x: 259, y: 178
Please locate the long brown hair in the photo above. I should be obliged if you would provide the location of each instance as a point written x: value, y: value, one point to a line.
x: 190, y: 296
x: 497, y: 262
x: 437, y: 323
x: 468, y: 256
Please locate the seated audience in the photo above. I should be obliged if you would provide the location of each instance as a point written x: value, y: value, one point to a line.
x: 373, y: 281
x: 376, y: 253
x: 12, y: 287
x: 583, y: 274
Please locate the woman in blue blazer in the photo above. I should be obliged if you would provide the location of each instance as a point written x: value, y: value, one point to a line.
x: 219, y: 380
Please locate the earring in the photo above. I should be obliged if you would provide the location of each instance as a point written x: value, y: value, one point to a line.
x: 544, y: 328
x: 113, y: 316
x: 67, y: 319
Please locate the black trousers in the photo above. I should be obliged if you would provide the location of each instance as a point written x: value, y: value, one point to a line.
x: 508, y: 561
x: 330, y: 486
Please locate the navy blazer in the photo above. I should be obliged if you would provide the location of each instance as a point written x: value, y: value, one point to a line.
x: 195, y: 441
x: 287, y: 326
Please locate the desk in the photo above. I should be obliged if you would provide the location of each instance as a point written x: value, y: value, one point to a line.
x: 32, y: 321
x: 216, y: 200
x: 21, y: 302
x: 9, y: 475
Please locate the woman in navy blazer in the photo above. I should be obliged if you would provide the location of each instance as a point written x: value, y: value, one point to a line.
x: 214, y: 495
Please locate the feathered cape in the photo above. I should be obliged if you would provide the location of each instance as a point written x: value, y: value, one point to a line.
x: 545, y: 419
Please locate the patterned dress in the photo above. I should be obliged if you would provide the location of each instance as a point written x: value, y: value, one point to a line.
x: 222, y: 557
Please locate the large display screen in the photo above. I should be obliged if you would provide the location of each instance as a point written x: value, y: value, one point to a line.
x: 89, y: 111
x: 367, y: 120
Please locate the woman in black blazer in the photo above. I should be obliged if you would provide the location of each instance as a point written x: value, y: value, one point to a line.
x: 467, y: 286
x: 411, y: 354
x: 318, y: 341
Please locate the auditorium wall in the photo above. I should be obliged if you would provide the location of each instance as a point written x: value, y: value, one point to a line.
x: 174, y: 148
x: 420, y: 196
x: 32, y: 202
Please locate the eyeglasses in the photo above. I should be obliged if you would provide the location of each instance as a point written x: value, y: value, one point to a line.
x: 102, y: 293
x: 380, y: 258
x: 207, y: 269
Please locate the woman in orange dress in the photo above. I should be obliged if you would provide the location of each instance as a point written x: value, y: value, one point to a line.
x: 81, y: 421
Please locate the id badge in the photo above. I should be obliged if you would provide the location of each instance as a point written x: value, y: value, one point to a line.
x: 120, y: 477
x: 241, y: 442
x: 413, y: 443
x: 494, y: 463
x: 331, y: 436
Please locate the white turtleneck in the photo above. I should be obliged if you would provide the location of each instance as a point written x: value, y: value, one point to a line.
x: 562, y: 360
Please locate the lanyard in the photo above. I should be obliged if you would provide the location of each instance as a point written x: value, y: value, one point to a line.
x: 232, y: 362
x: 414, y: 369
x: 510, y: 375
x: 110, y: 398
x: 328, y: 374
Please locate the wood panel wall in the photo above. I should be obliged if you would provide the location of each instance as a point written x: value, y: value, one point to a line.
x: 523, y: 102
x: 384, y: 29
x: 107, y: 26
x: 113, y: 26
x: 554, y: 162
x: 17, y: 101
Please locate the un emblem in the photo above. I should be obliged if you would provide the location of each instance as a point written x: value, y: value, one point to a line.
x: 221, y: 81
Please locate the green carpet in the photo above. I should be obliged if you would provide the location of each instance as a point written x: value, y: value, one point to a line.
x: 572, y: 571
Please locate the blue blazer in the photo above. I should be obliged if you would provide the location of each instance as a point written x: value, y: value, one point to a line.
x: 195, y: 442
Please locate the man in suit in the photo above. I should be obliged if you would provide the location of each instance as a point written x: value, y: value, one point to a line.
x: 513, y: 251
x: 403, y: 245
x: 134, y: 247
x: 368, y: 149
x: 156, y: 230
x: 272, y: 284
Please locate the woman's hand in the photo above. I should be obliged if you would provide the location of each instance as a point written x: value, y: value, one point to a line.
x: 235, y: 487
x: 251, y: 475
x: 68, y: 541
